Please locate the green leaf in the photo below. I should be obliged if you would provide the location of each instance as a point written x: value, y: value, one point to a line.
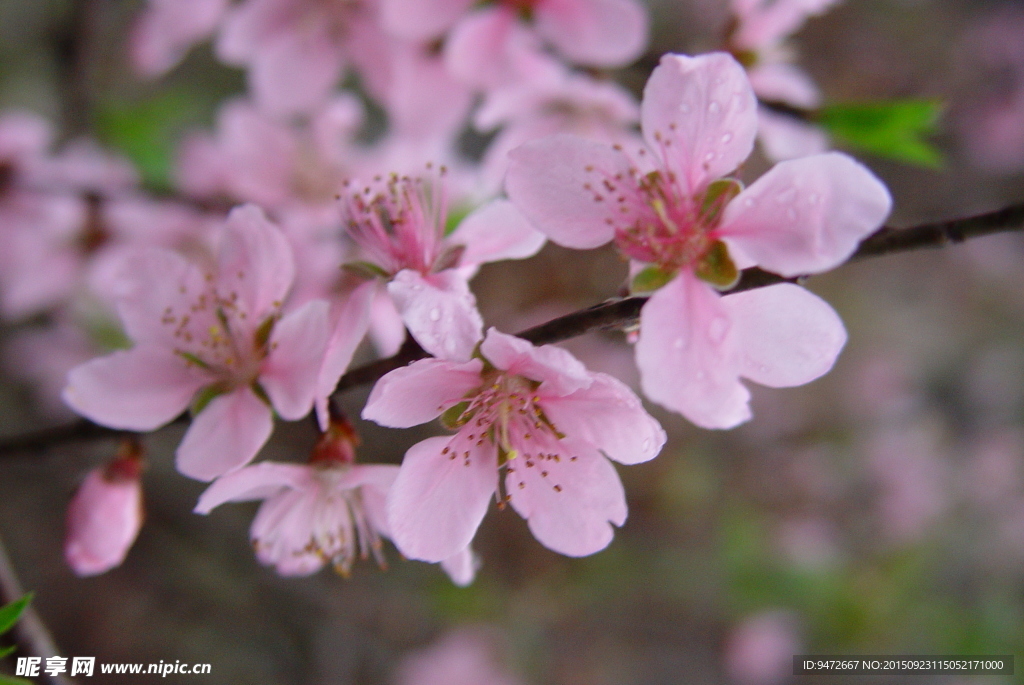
x: 716, y: 197
x: 205, y: 396
x: 896, y: 130
x: 452, y: 417
x: 455, y: 216
x: 10, y: 613
x: 11, y: 680
x: 650, y: 279
x: 365, y: 270
x: 7, y: 650
x: 717, y: 267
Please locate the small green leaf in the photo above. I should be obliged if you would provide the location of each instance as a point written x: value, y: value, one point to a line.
x: 452, y: 416
x: 10, y: 613
x: 716, y: 197
x: 7, y: 650
x: 895, y: 130
x: 650, y: 279
x: 264, y: 331
x: 448, y: 259
x: 717, y: 267
x: 455, y: 216
x: 365, y: 270
x: 192, y: 359
x: 205, y: 396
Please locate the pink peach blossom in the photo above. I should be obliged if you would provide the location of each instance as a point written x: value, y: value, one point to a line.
x: 480, y: 42
x: 312, y: 514
x: 667, y: 208
x: 465, y: 657
x: 222, y: 331
x: 105, y: 515
x: 400, y: 227
x: 167, y: 29
x: 535, y: 412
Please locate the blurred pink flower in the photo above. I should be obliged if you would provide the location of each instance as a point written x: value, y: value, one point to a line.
x: 166, y: 29
x: 464, y: 657
x: 105, y: 515
x: 537, y: 412
x: 222, y: 332
x: 312, y: 514
x: 295, y: 50
x: 673, y: 210
x: 760, y: 649
x: 482, y: 42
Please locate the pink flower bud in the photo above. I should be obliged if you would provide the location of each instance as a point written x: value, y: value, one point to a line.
x: 105, y: 515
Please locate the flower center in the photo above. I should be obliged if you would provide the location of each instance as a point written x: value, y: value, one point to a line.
x: 400, y: 223
x: 216, y: 334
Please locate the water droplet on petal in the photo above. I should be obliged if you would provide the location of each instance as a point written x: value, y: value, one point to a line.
x: 714, y: 107
x: 786, y: 196
x: 678, y: 343
x: 709, y: 156
x: 726, y: 137
x: 646, y: 444
x: 435, y: 314
x: 700, y: 375
x: 684, y: 108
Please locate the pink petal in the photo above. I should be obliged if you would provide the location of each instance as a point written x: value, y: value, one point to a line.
x: 494, y: 232
x: 349, y: 329
x: 476, y: 50
x: 806, y: 215
x: 685, y: 355
x: 421, y: 20
x: 375, y: 481
x: 420, y: 392
x: 259, y: 481
x: 246, y: 27
x: 152, y: 282
x: 557, y: 183
x: 559, y: 371
x: 294, y: 71
x: 700, y: 114
x: 609, y: 416
x: 439, y: 311
x: 387, y: 331
x: 462, y: 567
x: 437, y: 502
x: 785, y: 83
x: 255, y: 260
x: 782, y: 137
x: 139, y: 389
x: 283, y: 527
x: 289, y: 373
x: 568, y: 503
x: 603, y: 33
x: 785, y: 335
x: 103, y: 521
x: 225, y: 435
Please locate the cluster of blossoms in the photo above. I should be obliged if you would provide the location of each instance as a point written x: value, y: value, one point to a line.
x: 237, y: 321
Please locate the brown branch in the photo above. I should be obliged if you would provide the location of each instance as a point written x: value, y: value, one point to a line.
x: 611, y: 315
x: 32, y: 633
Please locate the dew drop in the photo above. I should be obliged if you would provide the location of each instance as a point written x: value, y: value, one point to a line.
x: 678, y: 343
x: 726, y: 137
x: 684, y: 108
x: 714, y: 107
x: 435, y: 314
x: 709, y: 156
x: 646, y: 444
x: 786, y: 196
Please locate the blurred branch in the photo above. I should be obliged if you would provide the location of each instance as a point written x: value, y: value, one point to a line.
x: 612, y: 315
x: 33, y: 635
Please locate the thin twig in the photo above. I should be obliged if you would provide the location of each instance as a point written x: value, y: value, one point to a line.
x: 33, y: 635
x: 611, y: 315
